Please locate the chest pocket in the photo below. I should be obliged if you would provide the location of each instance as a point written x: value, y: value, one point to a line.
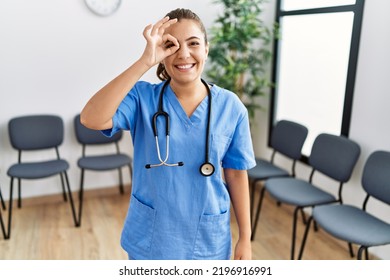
x: 219, y: 146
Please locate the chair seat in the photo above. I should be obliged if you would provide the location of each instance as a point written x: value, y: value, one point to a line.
x: 352, y: 224
x: 265, y: 169
x: 105, y: 162
x: 297, y: 192
x: 36, y: 170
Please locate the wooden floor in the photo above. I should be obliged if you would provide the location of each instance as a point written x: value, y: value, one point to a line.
x: 44, y: 231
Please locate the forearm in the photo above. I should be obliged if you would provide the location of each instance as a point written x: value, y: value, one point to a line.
x: 237, y: 181
x: 98, y: 112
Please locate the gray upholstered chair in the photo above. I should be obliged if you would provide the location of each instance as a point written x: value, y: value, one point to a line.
x: 333, y: 156
x: 102, y: 162
x: 355, y: 225
x: 37, y: 133
x: 287, y: 139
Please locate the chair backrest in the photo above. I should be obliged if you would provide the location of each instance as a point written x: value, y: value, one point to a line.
x: 376, y: 176
x: 334, y: 156
x: 36, y: 132
x: 87, y: 136
x: 288, y: 138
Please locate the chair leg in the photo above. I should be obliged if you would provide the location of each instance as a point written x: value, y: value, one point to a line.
x: 315, y: 226
x: 2, y: 201
x: 307, y: 229
x: 71, y: 200
x: 19, y: 193
x: 131, y: 172
x: 131, y: 175
x: 63, y: 187
x: 303, y: 216
x: 121, y: 190
x: 8, y: 235
x: 252, y: 201
x: 81, y: 195
x: 350, y: 250
x: 360, y: 252
x: 258, y: 212
x: 2, y: 226
x: 294, y: 232
x: 1, y: 216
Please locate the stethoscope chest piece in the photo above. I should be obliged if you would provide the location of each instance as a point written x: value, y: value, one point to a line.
x: 207, y: 169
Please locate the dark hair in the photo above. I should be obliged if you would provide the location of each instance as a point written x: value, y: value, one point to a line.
x: 180, y: 14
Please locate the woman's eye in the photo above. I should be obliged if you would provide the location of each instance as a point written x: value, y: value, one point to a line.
x: 194, y: 44
x: 169, y: 45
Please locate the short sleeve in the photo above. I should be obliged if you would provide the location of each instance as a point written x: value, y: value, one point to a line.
x: 126, y: 114
x: 240, y: 153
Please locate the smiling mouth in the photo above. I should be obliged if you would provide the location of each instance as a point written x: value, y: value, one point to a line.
x: 185, y: 66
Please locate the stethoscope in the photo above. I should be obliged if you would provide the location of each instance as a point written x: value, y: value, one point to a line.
x: 206, y: 169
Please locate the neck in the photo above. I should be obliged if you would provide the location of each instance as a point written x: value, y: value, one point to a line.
x: 189, y: 91
x: 190, y: 95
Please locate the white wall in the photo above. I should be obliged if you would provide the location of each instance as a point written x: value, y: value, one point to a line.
x: 370, y: 113
x: 370, y: 125
x: 54, y: 54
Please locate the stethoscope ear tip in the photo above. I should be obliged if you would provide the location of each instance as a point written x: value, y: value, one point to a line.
x: 147, y: 166
x: 180, y: 163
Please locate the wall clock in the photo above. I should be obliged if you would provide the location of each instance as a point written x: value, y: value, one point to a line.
x: 103, y: 7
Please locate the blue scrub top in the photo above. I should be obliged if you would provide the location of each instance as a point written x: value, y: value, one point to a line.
x: 175, y: 212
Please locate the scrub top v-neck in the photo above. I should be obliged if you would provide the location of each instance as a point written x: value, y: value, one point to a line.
x: 175, y: 212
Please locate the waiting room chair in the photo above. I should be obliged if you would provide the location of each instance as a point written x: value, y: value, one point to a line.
x: 331, y: 155
x: 37, y: 133
x: 287, y: 139
x: 102, y: 162
x: 355, y: 225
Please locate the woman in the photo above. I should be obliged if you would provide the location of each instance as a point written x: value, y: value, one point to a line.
x: 179, y: 207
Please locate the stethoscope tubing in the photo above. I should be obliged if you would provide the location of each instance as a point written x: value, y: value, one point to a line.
x: 163, y: 162
x: 206, y: 169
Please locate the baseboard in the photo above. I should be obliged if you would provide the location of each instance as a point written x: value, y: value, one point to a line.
x: 57, y: 198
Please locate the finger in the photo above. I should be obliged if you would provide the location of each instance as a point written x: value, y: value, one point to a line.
x: 171, y: 44
x: 165, y: 25
x: 159, y: 24
x: 169, y: 23
x: 147, y: 29
x: 171, y: 51
x: 170, y: 38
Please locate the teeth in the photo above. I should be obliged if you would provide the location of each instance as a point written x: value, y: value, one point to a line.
x: 187, y: 66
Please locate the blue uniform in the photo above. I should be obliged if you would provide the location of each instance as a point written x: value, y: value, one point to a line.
x: 175, y: 212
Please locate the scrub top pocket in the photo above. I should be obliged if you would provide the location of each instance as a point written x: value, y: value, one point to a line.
x: 213, y: 238
x: 139, y: 227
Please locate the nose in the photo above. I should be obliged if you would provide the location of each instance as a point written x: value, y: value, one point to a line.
x: 183, y: 52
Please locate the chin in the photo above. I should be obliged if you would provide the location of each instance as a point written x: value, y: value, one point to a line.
x: 185, y: 78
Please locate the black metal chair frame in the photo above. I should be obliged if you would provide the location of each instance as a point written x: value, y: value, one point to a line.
x: 362, y: 249
x: 292, y: 173
x: 115, y: 140
x: 350, y: 248
x: 2, y: 201
x: 255, y: 181
x: 63, y: 175
x: 1, y: 217
x: 298, y: 208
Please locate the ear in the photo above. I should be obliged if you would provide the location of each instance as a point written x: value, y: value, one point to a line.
x: 207, y: 49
